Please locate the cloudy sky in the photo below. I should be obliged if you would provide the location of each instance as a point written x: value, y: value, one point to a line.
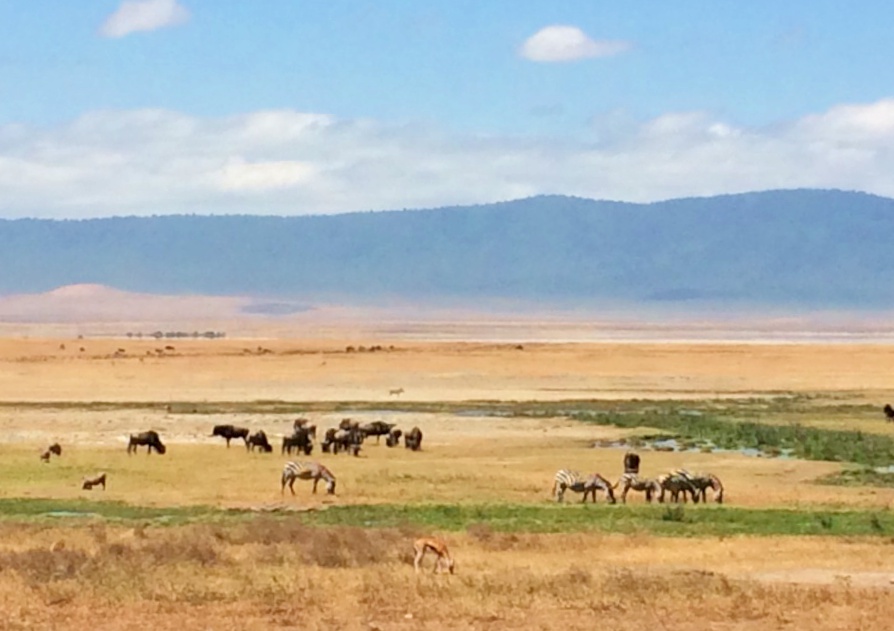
x: 309, y: 106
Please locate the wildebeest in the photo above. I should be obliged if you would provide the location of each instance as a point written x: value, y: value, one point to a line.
x: 55, y: 448
x: 631, y: 462
x: 328, y: 439
x: 413, y: 439
x: 393, y: 439
x: 259, y: 440
x: 889, y: 412
x: 97, y: 480
x: 299, y: 441
x: 229, y: 432
x: 150, y: 439
x: 348, y: 440
x: 377, y: 429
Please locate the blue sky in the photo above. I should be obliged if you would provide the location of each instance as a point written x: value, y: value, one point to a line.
x: 307, y: 106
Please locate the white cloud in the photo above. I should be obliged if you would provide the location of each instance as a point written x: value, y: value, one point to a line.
x: 285, y: 162
x: 239, y: 175
x: 143, y: 15
x: 568, y: 43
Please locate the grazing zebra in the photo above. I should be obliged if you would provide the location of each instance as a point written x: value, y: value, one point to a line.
x: 631, y: 481
x: 701, y: 482
x: 307, y: 471
x: 97, y: 480
x: 150, y: 439
x: 567, y: 480
x: 436, y: 545
x: 678, y: 483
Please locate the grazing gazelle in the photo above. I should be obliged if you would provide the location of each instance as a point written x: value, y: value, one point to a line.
x: 396, y: 391
x: 98, y: 480
x: 436, y: 545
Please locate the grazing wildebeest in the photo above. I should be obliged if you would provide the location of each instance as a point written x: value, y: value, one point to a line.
x: 299, y: 441
x: 150, y: 439
x: 413, y: 439
x: 328, y: 439
x: 97, y: 480
x: 259, y: 439
x: 55, y: 448
x: 229, y: 432
x: 393, y: 439
x: 348, y: 440
x: 377, y: 429
x: 889, y: 412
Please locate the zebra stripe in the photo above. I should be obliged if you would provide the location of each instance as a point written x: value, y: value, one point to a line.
x: 567, y: 479
x: 307, y: 471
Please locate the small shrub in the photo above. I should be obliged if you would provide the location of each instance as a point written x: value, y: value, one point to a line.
x: 674, y: 513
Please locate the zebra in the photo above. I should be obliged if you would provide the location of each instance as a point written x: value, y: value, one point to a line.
x: 701, y: 482
x: 632, y: 481
x: 307, y: 471
x: 571, y: 480
x: 678, y: 482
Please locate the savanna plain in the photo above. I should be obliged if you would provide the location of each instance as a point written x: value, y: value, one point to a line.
x: 203, y: 538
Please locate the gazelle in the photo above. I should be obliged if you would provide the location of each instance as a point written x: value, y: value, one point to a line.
x: 436, y: 545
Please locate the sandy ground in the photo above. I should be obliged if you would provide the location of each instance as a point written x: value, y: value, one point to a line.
x: 323, y: 370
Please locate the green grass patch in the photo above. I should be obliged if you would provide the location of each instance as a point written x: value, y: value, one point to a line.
x: 859, y: 477
x: 38, y: 509
x: 809, y: 443
x: 664, y: 520
x: 677, y: 521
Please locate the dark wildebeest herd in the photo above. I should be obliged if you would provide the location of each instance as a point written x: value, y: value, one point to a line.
x: 348, y: 437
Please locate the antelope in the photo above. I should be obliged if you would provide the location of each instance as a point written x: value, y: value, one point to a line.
x: 436, y: 545
x: 97, y: 480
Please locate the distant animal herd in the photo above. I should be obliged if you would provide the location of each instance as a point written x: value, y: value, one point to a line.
x: 676, y: 485
x: 348, y: 437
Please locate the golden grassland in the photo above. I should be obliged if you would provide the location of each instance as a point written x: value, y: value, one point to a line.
x: 274, y: 572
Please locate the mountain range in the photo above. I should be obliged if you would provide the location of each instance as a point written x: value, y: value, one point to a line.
x: 786, y: 248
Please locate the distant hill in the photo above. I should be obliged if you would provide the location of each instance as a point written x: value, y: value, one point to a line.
x: 798, y: 248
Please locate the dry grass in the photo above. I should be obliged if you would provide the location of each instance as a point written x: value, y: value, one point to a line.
x: 321, y: 370
x: 281, y: 574
x: 276, y: 572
